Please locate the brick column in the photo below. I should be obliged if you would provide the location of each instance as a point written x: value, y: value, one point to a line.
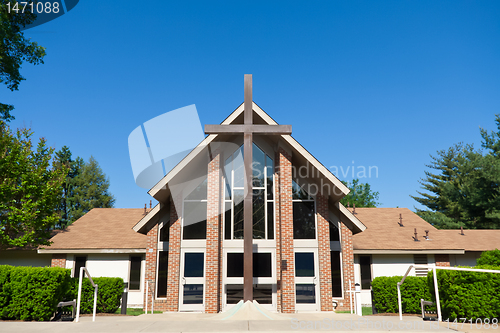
x: 151, y: 254
x: 174, y: 256
x: 285, y: 241
x: 213, y: 252
x: 442, y: 260
x: 58, y: 260
x: 325, y: 270
x: 347, y: 265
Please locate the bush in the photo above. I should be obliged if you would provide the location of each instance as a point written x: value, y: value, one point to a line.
x: 31, y: 293
x: 109, y: 294
x: 490, y: 258
x: 385, y: 293
x: 468, y: 295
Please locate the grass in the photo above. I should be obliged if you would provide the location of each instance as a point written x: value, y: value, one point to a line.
x: 135, y: 311
x: 365, y: 310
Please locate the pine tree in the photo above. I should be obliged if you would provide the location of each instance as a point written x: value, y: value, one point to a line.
x: 361, y: 195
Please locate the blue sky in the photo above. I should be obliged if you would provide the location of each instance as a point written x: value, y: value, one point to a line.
x: 363, y: 83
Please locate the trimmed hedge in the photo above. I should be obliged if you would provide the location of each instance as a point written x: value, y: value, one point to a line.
x: 468, y: 295
x: 385, y: 293
x: 31, y: 293
x: 109, y: 294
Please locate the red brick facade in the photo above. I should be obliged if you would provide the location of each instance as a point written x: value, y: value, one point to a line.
x: 58, y: 260
x: 325, y: 269
x: 442, y: 260
x: 347, y: 266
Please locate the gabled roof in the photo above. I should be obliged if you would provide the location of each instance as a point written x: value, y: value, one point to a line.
x: 101, y: 230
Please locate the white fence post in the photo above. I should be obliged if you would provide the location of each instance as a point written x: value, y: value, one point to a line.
x: 79, y: 296
x: 436, y: 291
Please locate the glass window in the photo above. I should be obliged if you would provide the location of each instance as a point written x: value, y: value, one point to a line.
x: 304, y: 264
x: 235, y: 265
x: 162, y: 273
x: 238, y: 214
x: 336, y: 274
x: 304, y: 221
x: 262, y: 266
x: 269, y: 174
x: 258, y: 166
x: 135, y: 273
x: 200, y: 192
x: 193, y: 265
x: 193, y: 294
x: 239, y: 170
x: 195, y: 220
x: 165, y: 232
x: 227, y: 220
x: 366, y: 271
x: 234, y: 293
x: 299, y: 193
x: 79, y: 262
x: 270, y: 220
x: 305, y: 293
x: 334, y: 232
x: 263, y: 293
x: 259, y: 215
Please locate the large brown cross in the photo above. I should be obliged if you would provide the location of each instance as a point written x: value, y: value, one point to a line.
x: 248, y: 129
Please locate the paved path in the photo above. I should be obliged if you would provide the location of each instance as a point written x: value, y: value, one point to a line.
x: 199, y: 322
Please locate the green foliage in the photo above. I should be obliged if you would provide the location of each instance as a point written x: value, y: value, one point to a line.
x: 468, y: 294
x: 491, y: 258
x: 109, y: 294
x: 14, y: 50
x: 385, y: 293
x: 361, y: 195
x: 439, y: 220
x: 30, y: 190
x: 465, y: 189
x: 31, y: 293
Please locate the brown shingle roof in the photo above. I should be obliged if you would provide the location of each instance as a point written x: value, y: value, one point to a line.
x: 384, y: 233
x: 102, y: 228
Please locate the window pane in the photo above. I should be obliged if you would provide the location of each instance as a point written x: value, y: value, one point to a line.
x: 193, y: 294
x: 227, y: 220
x: 227, y: 177
x: 303, y: 220
x: 304, y: 264
x: 262, y: 265
x: 239, y: 174
x: 270, y: 171
x: 193, y: 265
x: 299, y: 193
x: 263, y: 293
x: 135, y: 273
x: 165, y: 232
x: 199, y: 193
x: 195, y: 220
x: 79, y: 262
x: 366, y: 272
x: 305, y: 293
x: 234, y: 293
x: 336, y: 274
x: 162, y: 273
x: 270, y: 220
x: 259, y: 215
x: 235, y: 265
x: 258, y: 165
x: 334, y: 232
x: 238, y: 214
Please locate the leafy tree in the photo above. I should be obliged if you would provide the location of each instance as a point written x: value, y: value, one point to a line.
x: 14, y: 50
x: 439, y: 220
x: 361, y: 195
x: 489, y: 258
x: 30, y: 190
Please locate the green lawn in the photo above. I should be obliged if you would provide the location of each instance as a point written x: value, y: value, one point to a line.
x: 135, y: 311
x: 366, y: 311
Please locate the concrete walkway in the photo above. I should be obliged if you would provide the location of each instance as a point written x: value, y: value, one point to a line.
x: 199, y: 322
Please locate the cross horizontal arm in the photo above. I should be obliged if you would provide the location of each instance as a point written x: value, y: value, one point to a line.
x: 254, y: 129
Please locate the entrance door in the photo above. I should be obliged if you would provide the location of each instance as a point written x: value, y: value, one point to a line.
x: 192, y: 286
x: 306, y: 280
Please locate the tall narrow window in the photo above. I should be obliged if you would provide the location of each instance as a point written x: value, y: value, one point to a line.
x: 135, y: 273
x: 79, y: 262
x: 304, y: 219
x: 162, y: 273
x: 336, y: 274
x: 195, y: 213
x: 365, y: 266
x: 262, y: 190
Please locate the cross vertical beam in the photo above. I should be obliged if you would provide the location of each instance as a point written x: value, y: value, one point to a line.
x: 248, y: 202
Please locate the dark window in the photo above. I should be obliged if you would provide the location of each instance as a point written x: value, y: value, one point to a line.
x: 263, y: 293
x: 227, y: 220
x: 79, y: 262
x: 270, y: 220
x: 259, y: 215
x: 304, y: 226
x: 336, y: 274
x: 305, y: 293
x: 234, y: 293
x: 366, y: 271
x: 193, y: 264
x: 165, y: 232
x: 193, y: 294
x: 238, y: 214
x: 334, y: 232
x: 261, y: 265
x: 195, y: 220
x: 135, y: 273
x: 258, y: 165
x: 270, y: 171
x: 162, y: 273
x: 304, y: 264
x: 299, y: 193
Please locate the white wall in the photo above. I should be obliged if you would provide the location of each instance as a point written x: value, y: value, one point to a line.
x: 467, y: 259
x: 24, y: 258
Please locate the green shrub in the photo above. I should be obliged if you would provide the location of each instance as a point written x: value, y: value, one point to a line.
x: 489, y: 258
x: 385, y: 293
x: 109, y: 294
x: 468, y: 295
x: 31, y: 293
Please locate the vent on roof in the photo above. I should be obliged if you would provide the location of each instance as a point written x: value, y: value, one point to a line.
x: 145, y: 208
x: 462, y: 231
x: 415, y: 238
x: 426, y: 235
x: 400, y: 220
x: 354, y: 208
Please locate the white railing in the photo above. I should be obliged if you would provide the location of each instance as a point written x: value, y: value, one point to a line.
x: 434, y: 275
x: 80, y: 293
x: 152, y: 297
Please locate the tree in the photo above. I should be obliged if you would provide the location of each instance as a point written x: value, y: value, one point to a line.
x: 439, y: 220
x: 14, y: 50
x: 361, y: 195
x: 489, y: 258
x: 30, y: 190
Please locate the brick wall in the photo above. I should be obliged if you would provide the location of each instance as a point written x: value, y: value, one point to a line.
x: 325, y: 270
x: 347, y: 265
x: 174, y: 256
x: 285, y: 244
x: 58, y: 260
x: 151, y: 255
x: 213, y: 251
x: 442, y: 260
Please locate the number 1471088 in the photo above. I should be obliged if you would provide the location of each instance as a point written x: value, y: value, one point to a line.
x: 33, y: 7
x: 478, y: 323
